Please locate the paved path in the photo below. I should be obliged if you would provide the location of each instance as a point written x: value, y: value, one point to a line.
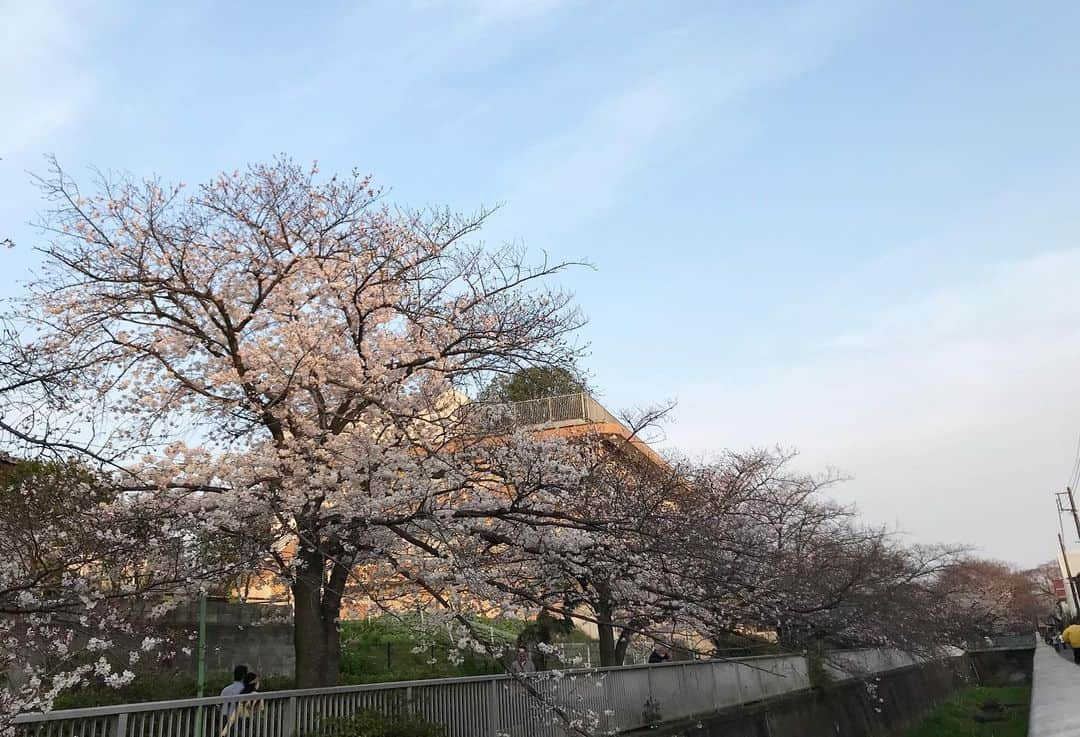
x: 1055, y: 694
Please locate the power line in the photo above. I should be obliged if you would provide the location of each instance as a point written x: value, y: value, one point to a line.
x: 1066, y: 504
x: 1075, y: 475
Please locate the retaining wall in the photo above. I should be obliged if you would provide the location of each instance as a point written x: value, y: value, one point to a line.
x: 882, y: 706
x: 258, y: 635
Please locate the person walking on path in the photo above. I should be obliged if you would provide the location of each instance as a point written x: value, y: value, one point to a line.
x: 1071, y: 637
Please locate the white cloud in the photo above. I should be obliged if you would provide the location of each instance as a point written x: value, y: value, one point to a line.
x: 44, y: 84
x: 580, y: 169
x: 956, y: 412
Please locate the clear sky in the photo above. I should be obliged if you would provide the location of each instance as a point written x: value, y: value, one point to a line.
x: 846, y: 227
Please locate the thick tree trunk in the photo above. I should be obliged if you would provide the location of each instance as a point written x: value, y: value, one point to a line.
x: 331, y: 619
x: 606, y: 631
x: 317, y: 610
x: 309, y: 639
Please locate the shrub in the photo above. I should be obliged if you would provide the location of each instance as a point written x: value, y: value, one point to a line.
x: 372, y: 723
x: 820, y: 676
x: 155, y: 686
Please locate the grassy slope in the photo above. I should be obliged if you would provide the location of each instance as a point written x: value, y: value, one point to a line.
x: 955, y: 718
x: 372, y: 651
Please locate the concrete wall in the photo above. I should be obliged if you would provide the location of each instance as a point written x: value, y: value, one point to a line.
x: 258, y: 635
x: 884, y: 706
x: 1002, y: 667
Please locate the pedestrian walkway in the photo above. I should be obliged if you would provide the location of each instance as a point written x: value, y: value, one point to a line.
x: 1055, y: 709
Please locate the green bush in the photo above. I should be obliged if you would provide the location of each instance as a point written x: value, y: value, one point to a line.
x: 820, y: 676
x: 371, y: 723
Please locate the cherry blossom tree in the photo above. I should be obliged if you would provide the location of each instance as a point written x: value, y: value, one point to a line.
x: 297, y: 353
x: 989, y: 598
x: 615, y: 575
x: 86, y: 572
x: 763, y: 550
x: 39, y: 412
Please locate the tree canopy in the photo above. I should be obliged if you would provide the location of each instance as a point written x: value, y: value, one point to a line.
x: 534, y: 382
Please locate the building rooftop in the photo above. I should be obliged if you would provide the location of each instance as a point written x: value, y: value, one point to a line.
x: 573, y: 415
x: 559, y: 411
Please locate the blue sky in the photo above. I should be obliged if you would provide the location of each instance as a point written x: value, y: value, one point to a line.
x: 847, y: 227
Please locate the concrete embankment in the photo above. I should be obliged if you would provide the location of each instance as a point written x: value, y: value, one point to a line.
x: 883, y: 705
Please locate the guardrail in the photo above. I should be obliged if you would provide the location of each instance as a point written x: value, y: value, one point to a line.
x: 612, y: 699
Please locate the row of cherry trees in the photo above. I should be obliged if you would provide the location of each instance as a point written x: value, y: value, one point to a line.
x: 270, y: 374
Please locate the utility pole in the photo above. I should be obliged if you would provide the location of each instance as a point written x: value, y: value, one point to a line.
x: 1068, y: 573
x: 202, y: 644
x: 202, y: 663
x: 1066, y: 504
x: 1072, y: 508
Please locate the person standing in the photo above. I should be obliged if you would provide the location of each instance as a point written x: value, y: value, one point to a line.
x: 1071, y: 637
x: 246, y: 709
x: 522, y: 662
x: 236, y: 688
x: 659, y: 654
x: 242, y: 712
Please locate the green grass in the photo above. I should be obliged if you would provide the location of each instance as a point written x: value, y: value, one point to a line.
x: 382, y: 650
x: 957, y: 716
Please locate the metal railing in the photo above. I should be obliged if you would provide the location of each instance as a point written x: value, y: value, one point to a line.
x: 565, y: 409
x: 611, y: 699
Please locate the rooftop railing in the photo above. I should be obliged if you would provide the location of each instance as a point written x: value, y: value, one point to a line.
x: 557, y: 411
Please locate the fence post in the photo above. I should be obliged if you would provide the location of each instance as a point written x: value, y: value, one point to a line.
x: 494, y: 714
x: 651, y: 701
x: 738, y: 680
x: 410, y: 709
x: 288, y: 729
x: 714, y: 695
x: 611, y: 701
x: 121, y: 724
